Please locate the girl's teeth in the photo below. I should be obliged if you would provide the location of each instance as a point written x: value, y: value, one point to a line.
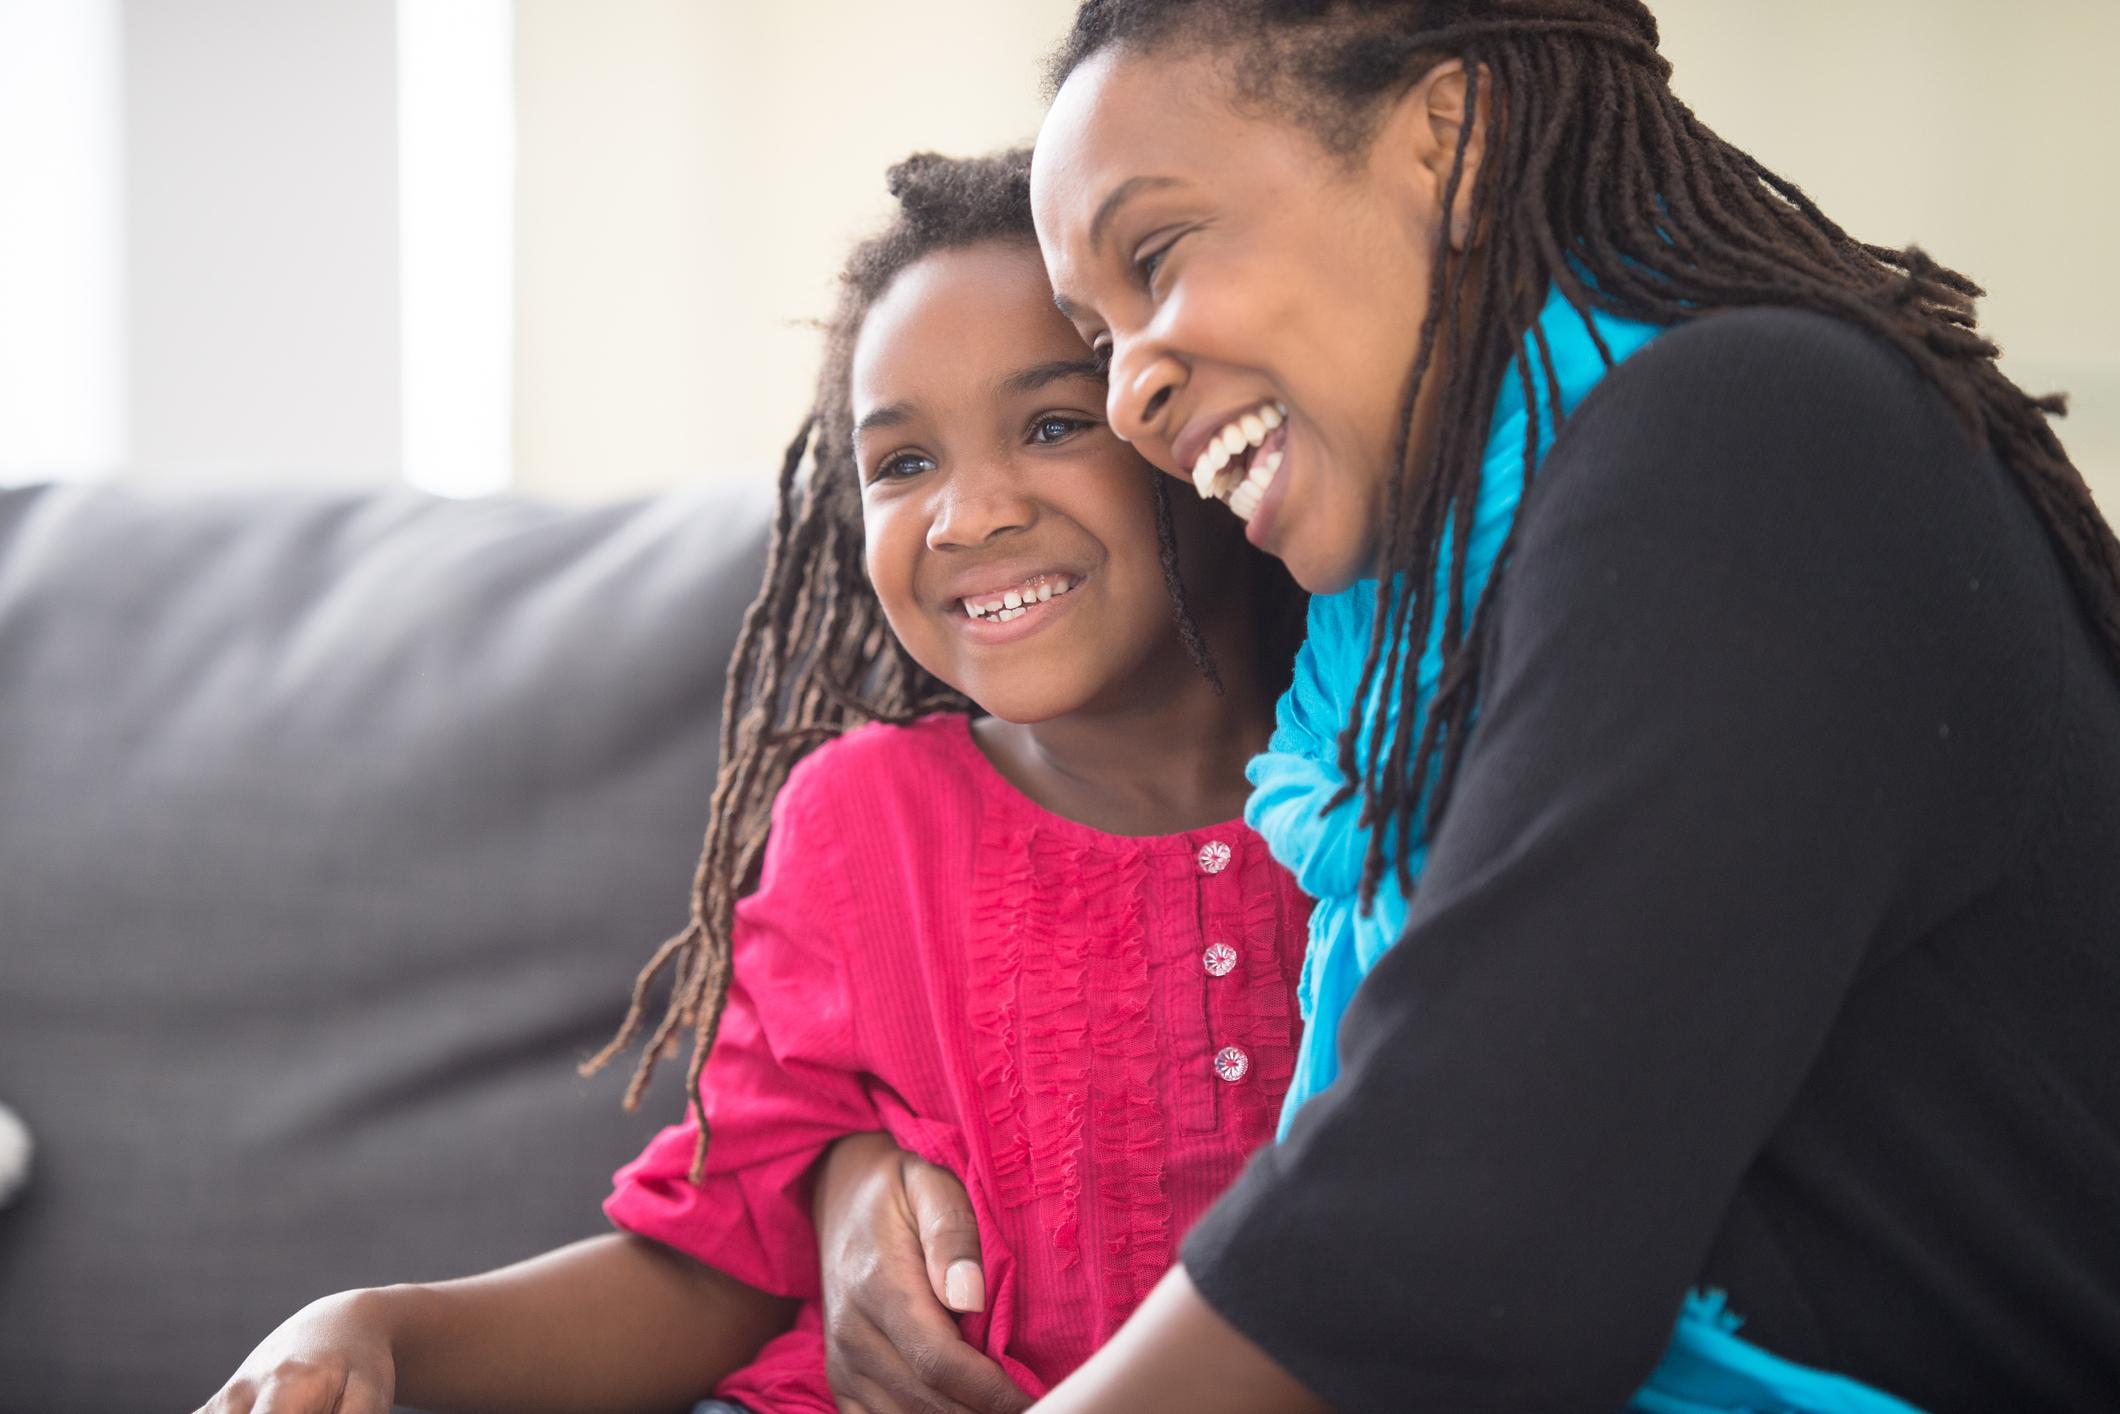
x: 1245, y: 501
x: 1271, y: 415
x: 1015, y: 603
x: 1254, y: 428
x: 1233, y: 439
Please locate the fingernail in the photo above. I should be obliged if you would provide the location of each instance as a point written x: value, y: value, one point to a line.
x: 964, y: 1286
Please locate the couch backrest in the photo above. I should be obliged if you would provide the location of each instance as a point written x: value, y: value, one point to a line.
x: 332, y: 831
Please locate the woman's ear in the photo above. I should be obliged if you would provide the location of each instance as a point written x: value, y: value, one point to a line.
x: 1426, y: 125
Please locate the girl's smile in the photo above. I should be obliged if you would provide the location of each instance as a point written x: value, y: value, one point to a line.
x: 1010, y: 537
x: 1021, y: 607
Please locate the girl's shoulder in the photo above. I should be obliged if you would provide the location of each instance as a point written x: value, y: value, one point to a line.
x: 883, y: 769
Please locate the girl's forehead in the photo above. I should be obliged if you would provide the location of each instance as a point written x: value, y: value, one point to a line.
x: 971, y: 314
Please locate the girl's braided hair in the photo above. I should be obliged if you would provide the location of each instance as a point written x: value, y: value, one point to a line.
x: 1595, y: 178
x: 816, y: 657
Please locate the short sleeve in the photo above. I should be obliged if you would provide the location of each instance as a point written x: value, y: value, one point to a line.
x: 783, y: 1082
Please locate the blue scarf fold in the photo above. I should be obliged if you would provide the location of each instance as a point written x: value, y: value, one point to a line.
x: 1707, y: 1369
x: 1299, y: 772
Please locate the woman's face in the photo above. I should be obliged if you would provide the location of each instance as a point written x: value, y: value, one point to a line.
x: 1009, y: 535
x: 1253, y: 290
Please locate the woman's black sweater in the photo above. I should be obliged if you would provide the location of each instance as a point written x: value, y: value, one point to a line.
x: 1770, y: 943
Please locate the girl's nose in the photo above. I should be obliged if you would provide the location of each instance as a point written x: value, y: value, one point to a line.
x: 978, y: 502
x: 1144, y: 378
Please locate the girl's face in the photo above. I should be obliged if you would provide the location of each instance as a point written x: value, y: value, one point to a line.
x: 1234, y: 269
x: 1009, y: 535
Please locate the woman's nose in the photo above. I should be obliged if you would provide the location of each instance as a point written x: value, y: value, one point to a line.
x: 978, y: 502
x: 1144, y: 377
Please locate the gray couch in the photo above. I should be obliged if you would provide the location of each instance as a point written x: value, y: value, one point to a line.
x: 332, y: 830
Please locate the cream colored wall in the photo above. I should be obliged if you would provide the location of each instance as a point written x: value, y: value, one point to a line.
x: 690, y: 176
x: 1981, y: 131
x: 691, y: 173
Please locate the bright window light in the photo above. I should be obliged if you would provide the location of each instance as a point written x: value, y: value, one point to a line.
x: 62, y: 239
x: 456, y: 173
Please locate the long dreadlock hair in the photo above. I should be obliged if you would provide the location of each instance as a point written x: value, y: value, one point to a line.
x: 816, y: 657
x: 1597, y: 180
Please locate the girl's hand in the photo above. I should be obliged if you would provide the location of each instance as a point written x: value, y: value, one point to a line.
x: 331, y: 1357
x: 900, y: 1251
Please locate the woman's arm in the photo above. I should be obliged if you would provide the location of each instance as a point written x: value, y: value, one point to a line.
x: 609, y: 1325
x: 1734, y: 738
x: 900, y: 1249
x: 1177, y: 1356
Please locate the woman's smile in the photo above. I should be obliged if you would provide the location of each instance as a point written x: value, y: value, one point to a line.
x: 1243, y: 308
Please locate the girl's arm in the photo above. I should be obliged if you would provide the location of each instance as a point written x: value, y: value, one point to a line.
x: 615, y: 1323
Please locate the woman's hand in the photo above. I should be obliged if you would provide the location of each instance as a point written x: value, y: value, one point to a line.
x: 331, y: 1357
x: 900, y: 1250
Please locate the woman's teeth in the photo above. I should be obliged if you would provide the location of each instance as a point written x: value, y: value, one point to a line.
x: 1252, y: 489
x: 1015, y: 603
x: 1212, y: 473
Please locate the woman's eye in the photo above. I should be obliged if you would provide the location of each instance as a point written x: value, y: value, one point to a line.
x: 1048, y: 430
x: 1150, y: 263
x: 1100, y: 353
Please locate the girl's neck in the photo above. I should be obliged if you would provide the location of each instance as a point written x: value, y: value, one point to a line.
x: 1158, y: 762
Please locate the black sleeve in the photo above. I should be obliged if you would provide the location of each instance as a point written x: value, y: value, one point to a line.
x: 1727, y: 756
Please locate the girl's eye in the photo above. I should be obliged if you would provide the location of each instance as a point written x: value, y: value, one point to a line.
x: 901, y: 465
x: 1101, y: 353
x: 1055, y: 428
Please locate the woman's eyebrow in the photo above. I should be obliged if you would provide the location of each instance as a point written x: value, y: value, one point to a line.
x: 1039, y: 374
x: 1118, y: 197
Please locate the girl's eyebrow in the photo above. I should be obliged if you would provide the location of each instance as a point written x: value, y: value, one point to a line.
x: 889, y: 415
x: 1039, y: 374
x: 1023, y: 380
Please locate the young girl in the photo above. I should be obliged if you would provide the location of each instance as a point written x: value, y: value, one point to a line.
x: 1011, y: 921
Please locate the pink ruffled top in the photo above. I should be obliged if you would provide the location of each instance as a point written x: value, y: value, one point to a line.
x: 1093, y: 1031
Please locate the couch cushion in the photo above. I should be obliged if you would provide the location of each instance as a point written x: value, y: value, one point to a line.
x: 332, y: 830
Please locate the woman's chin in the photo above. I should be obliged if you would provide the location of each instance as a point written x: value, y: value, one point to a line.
x: 1327, y: 569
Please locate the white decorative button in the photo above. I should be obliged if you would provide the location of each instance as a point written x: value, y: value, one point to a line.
x: 1214, y: 857
x: 1232, y: 1064
x: 1220, y: 959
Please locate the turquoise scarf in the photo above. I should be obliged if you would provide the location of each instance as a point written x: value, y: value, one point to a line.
x: 1707, y: 1369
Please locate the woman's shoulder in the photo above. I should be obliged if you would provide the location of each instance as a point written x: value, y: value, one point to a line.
x: 1774, y: 423
x: 1790, y: 349
x: 1765, y: 380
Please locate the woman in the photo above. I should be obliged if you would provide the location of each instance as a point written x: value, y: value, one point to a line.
x: 1759, y: 773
